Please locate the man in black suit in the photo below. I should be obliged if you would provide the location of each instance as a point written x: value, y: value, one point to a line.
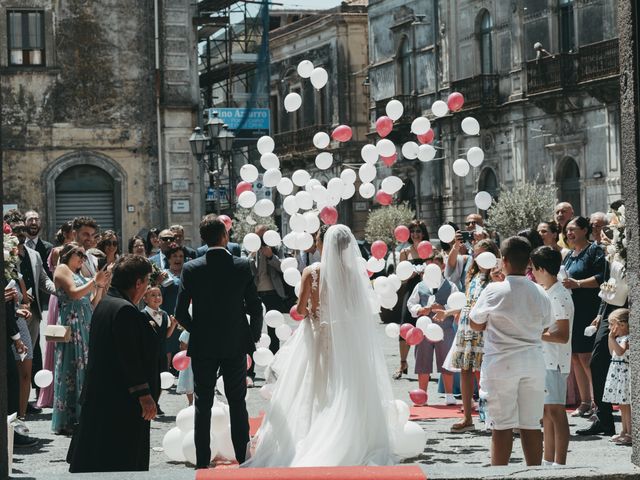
x: 234, y: 248
x: 221, y: 289
x: 34, y: 242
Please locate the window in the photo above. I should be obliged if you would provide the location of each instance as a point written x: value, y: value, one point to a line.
x: 486, y: 53
x: 406, y: 70
x: 569, y: 183
x: 26, y: 38
x: 488, y: 182
x: 567, y: 30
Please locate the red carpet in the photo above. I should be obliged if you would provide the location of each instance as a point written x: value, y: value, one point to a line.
x: 409, y: 472
x: 436, y: 411
x: 254, y: 423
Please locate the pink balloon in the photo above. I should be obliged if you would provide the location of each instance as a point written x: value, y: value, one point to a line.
x: 404, y: 329
x: 243, y: 187
x: 426, y: 137
x: 181, y: 361
x: 455, y: 101
x: 383, y: 198
x: 425, y: 249
x: 414, y: 336
x: 388, y: 161
x: 329, y: 215
x: 342, y: 133
x: 370, y: 274
x: 226, y: 220
x: 249, y: 361
x: 293, y: 313
x: 402, y: 233
x: 384, y: 125
x: 418, y: 397
x: 379, y: 249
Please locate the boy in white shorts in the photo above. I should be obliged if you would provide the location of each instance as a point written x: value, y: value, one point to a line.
x: 513, y: 314
x: 556, y: 346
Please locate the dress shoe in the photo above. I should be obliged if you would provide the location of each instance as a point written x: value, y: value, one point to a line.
x: 596, y: 428
x: 32, y: 409
x: 23, y: 441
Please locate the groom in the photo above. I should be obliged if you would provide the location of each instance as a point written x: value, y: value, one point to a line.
x: 222, y: 291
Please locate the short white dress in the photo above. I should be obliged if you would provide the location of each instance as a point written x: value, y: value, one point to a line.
x: 617, y: 388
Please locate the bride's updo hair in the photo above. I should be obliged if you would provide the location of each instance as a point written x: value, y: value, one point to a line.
x: 322, y: 231
x: 342, y: 236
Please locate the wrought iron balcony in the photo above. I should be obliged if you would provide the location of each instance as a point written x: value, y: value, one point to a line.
x: 478, y: 91
x: 298, y: 141
x: 409, y: 102
x: 551, y: 73
x: 598, y: 61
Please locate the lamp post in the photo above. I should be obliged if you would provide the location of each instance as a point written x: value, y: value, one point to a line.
x: 209, y: 150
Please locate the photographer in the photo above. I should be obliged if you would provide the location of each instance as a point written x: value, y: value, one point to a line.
x: 459, y: 260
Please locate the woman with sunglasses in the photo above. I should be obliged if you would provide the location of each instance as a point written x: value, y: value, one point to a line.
x: 108, y: 244
x: 76, y: 298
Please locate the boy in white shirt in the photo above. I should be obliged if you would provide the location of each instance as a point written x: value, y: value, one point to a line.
x: 556, y: 346
x: 513, y: 314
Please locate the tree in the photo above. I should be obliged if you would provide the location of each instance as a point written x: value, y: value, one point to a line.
x: 523, y: 206
x: 245, y: 221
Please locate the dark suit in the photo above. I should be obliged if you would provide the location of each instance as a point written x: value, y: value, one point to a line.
x: 13, y: 381
x: 223, y: 292
x: 234, y: 248
x: 44, y: 249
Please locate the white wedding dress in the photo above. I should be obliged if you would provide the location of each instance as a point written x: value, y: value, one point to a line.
x: 332, y: 395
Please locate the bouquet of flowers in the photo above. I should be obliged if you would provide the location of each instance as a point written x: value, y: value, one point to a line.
x: 155, y: 275
x: 11, y: 260
x: 617, y: 250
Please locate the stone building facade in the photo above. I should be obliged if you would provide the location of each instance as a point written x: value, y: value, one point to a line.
x: 548, y: 116
x: 98, y: 102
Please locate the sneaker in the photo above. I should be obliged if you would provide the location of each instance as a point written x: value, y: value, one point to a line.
x: 450, y: 399
x: 546, y: 463
x: 20, y: 426
x: 23, y: 441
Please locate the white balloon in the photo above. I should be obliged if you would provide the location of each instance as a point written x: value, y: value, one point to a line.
x: 402, y: 412
x: 305, y: 200
x: 470, y: 126
x: 290, y: 205
x: 225, y: 447
x: 410, y: 150
x: 305, y: 68
x: 300, y: 177
x: 374, y: 265
x: 367, y: 172
x: 291, y: 276
x: 172, y: 445
x: 269, y: 160
x: 319, y: 77
x: 252, y: 242
x: 271, y: 177
x: 349, y: 191
x: 219, y: 420
x: 319, y: 193
x: 391, y: 184
x: 43, y: 378
x: 411, y: 440
x: 404, y: 270
x: 166, y: 380
x: 369, y: 153
x: 304, y: 241
x: 439, y: 108
x: 348, y: 175
x: 311, y: 184
x: 392, y: 330
x: 395, y: 281
x: 285, y: 186
x: 457, y: 300
x: 475, y: 156
x: 446, y: 233
x: 483, y: 200
x: 324, y: 160
x: 186, y: 418
x: 297, y: 223
x: 333, y: 200
x: 312, y: 221
x: 422, y: 323
x: 272, y: 238
x: 394, y: 110
x: 388, y: 301
x: 335, y: 186
x: 420, y: 126
x: 273, y: 318
x: 290, y: 240
x: 385, y: 147
x: 265, y: 144
x: 434, y: 333
x: 321, y: 140
x: 486, y: 260
x: 283, y: 332
x: 292, y: 102
x: 262, y: 356
x: 367, y: 190
x: 247, y: 199
x: 426, y: 153
x: 432, y: 276
x: 461, y: 167
x: 288, y: 263
x: 264, y: 342
x: 382, y: 286
x: 249, y: 173
x: 264, y: 207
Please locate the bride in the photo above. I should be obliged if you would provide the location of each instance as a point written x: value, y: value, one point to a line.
x: 330, y: 400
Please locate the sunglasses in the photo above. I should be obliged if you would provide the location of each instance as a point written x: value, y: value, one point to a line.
x: 415, y: 230
x: 469, y: 223
x: 82, y: 255
x: 111, y: 243
x: 167, y: 239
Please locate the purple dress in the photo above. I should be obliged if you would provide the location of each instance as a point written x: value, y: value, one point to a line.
x: 45, y: 400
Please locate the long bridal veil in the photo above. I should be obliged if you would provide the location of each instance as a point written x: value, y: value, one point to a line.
x: 331, y: 400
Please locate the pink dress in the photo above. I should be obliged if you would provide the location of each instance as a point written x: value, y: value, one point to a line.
x: 45, y: 400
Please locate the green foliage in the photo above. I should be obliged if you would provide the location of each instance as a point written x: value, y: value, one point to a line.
x: 523, y: 206
x: 383, y: 221
x: 241, y: 226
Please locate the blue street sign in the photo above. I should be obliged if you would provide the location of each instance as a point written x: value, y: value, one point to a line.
x: 256, y: 124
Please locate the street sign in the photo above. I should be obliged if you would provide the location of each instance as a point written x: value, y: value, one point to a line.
x: 256, y: 124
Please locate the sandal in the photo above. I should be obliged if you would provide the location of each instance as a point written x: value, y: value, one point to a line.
x: 623, y: 440
x: 404, y: 368
x: 462, y: 427
x: 581, y: 410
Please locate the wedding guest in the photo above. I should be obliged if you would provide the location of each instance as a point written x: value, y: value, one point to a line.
x: 167, y: 241
x: 136, y: 246
x: 550, y: 234
x: 34, y: 241
x: 178, y: 232
x: 152, y: 242
x: 586, y: 269
x: 76, y: 298
x: 86, y: 229
x: 185, y: 377
x: 563, y: 212
x: 598, y: 220
x: 109, y: 245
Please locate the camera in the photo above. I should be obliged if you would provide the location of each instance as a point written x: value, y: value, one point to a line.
x: 466, y: 236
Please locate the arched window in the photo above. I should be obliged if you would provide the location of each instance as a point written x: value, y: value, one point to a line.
x: 488, y: 182
x: 567, y: 30
x: 569, y: 183
x: 486, y: 47
x: 86, y: 190
x: 406, y: 67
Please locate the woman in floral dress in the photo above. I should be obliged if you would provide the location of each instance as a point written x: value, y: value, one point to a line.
x: 76, y: 298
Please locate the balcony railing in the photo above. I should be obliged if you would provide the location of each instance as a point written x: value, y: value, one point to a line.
x: 599, y: 61
x: 551, y: 73
x: 479, y: 91
x: 409, y: 102
x: 298, y: 141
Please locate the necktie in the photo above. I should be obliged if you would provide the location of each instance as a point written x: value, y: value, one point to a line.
x: 31, y: 244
